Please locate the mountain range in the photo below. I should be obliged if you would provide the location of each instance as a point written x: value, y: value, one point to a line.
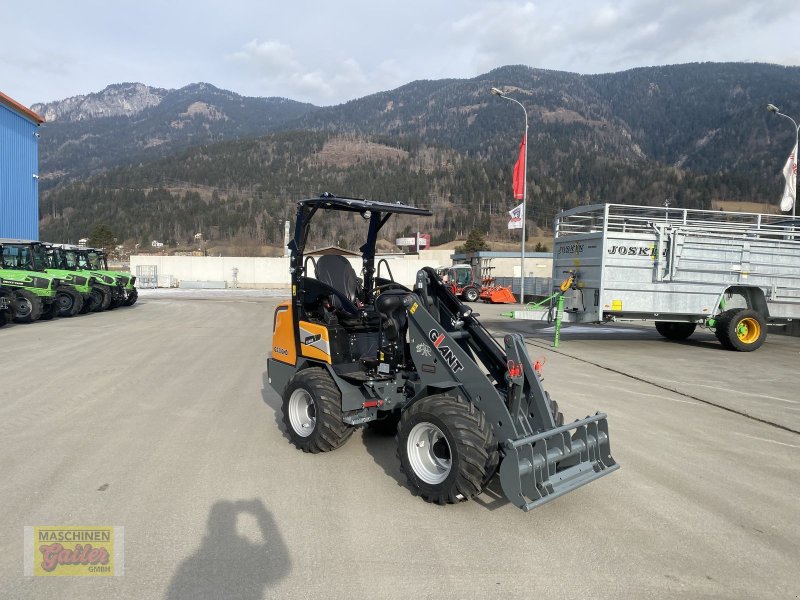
x: 693, y: 133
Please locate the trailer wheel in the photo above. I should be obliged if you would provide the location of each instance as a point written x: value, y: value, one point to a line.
x: 742, y: 329
x: 69, y: 302
x: 312, y: 412
x: 446, y: 448
x: 470, y: 294
x: 28, y: 307
x: 675, y: 331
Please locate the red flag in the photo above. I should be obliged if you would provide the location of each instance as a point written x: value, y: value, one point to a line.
x: 519, y: 173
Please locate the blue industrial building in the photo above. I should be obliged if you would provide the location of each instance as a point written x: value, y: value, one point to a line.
x: 19, y: 170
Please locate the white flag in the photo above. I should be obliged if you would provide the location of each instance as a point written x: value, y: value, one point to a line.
x: 516, y: 217
x: 790, y: 173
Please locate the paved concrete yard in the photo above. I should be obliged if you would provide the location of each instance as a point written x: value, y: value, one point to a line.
x: 158, y: 418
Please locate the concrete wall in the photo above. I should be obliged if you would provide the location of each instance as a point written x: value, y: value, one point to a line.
x: 263, y: 272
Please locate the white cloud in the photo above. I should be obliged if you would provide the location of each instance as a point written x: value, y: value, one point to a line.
x: 271, y: 56
x: 327, y: 53
x: 330, y: 79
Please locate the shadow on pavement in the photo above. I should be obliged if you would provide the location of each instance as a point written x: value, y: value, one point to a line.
x: 383, y: 450
x: 274, y: 401
x: 229, y: 565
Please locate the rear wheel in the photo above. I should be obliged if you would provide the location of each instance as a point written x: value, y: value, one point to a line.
x: 470, y: 294
x: 742, y: 329
x: 69, y: 302
x: 312, y: 412
x: 446, y: 448
x: 28, y: 306
x: 675, y: 331
x: 101, y: 298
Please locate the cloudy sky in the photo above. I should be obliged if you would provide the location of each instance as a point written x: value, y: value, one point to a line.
x: 327, y: 53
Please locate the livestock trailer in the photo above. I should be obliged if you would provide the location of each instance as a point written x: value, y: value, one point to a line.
x: 735, y: 273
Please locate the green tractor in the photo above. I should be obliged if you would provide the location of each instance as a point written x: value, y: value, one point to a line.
x: 104, y: 289
x: 96, y: 260
x: 22, y: 270
x: 6, y: 305
x: 95, y: 294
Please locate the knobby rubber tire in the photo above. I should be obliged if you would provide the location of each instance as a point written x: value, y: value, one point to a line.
x: 75, y: 302
x: 132, y: 298
x: 675, y: 331
x: 558, y: 416
x: 473, y: 447
x: 101, y: 298
x: 727, y: 324
x: 470, y: 294
x: 50, y: 311
x: 330, y: 431
x: 32, y: 304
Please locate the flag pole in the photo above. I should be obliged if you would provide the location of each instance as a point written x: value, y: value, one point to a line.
x: 774, y: 109
x: 497, y: 92
x: 524, y: 213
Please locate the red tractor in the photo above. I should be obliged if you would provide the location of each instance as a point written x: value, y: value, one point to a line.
x: 462, y: 280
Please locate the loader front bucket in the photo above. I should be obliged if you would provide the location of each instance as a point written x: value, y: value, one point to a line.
x: 502, y: 295
x: 498, y: 295
x: 541, y: 467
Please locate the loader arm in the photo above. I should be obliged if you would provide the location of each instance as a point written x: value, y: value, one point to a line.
x: 450, y: 349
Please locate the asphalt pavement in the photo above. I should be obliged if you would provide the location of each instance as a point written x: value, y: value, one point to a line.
x: 158, y: 418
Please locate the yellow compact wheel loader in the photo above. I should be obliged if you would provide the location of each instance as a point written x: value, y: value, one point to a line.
x: 350, y: 352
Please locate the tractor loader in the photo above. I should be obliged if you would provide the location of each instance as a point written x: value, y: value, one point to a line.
x: 350, y: 352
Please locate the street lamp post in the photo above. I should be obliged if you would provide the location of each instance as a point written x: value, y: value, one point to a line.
x: 774, y: 109
x: 497, y: 92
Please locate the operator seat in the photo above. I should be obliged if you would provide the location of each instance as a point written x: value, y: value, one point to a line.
x: 337, y: 272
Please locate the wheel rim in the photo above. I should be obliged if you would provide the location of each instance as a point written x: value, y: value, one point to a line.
x: 24, y: 307
x: 429, y: 453
x: 64, y: 301
x: 302, y: 413
x: 748, y: 330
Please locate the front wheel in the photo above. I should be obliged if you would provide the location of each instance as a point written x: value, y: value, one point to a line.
x: 742, y: 329
x: 446, y: 448
x: 101, y: 298
x: 312, y: 412
x: 133, y: 296
x: 675, y: 331
x: 470, y: 294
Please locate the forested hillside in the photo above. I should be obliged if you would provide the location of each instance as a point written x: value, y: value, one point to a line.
x: 687, y: 133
